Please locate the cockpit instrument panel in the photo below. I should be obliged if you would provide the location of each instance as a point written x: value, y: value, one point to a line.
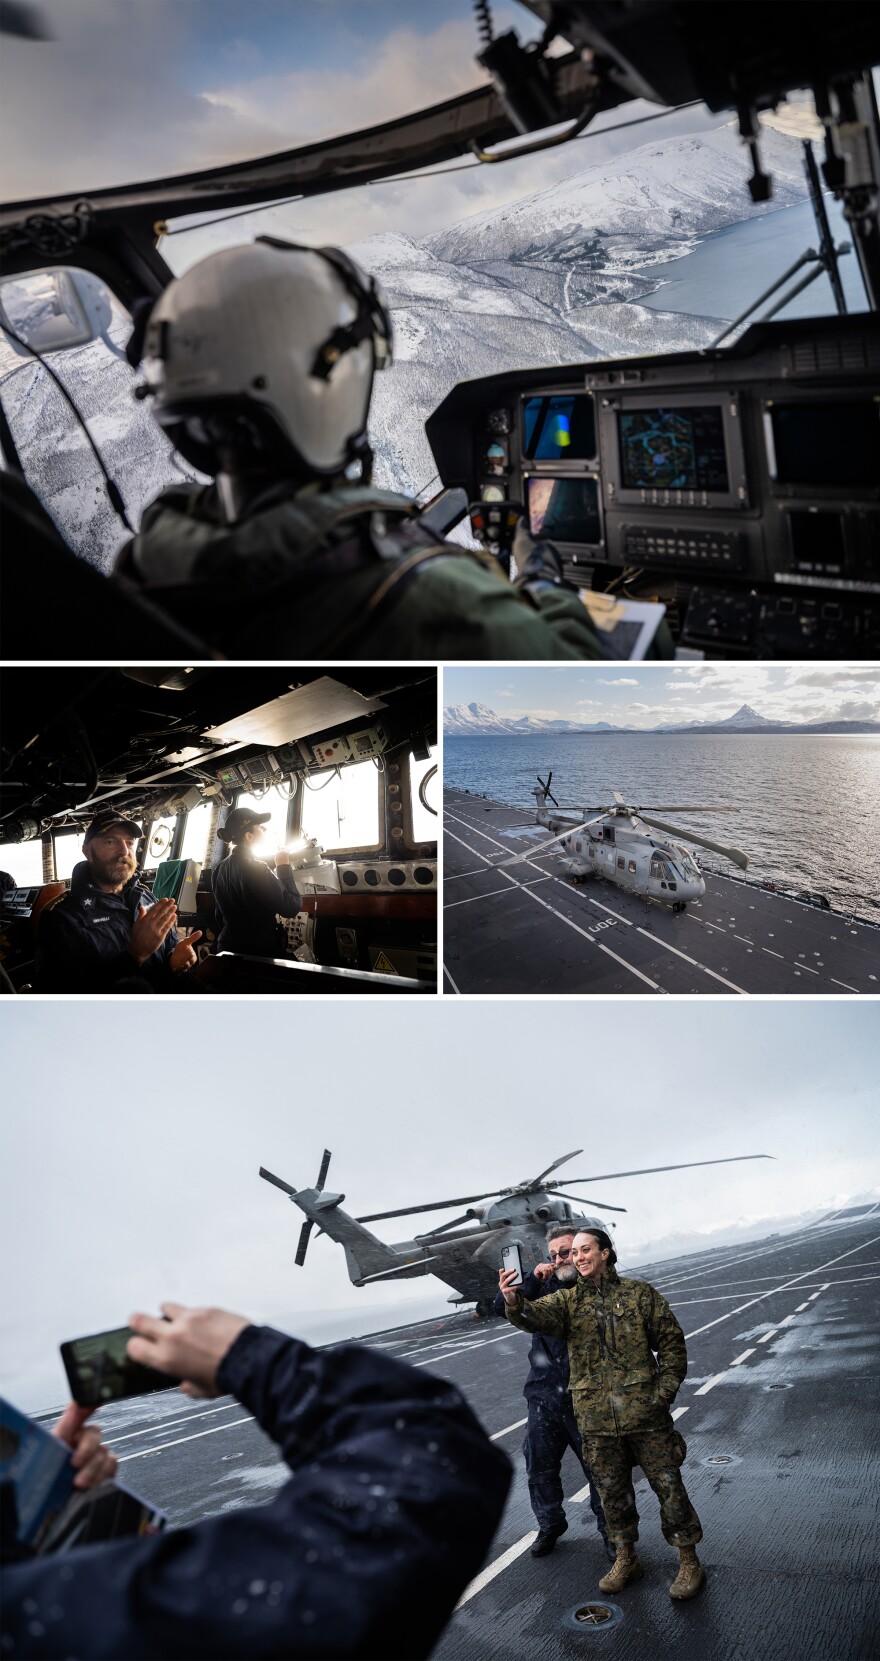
x: 749, y: 473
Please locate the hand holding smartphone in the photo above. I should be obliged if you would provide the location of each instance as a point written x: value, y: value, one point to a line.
x: 100, y: 1370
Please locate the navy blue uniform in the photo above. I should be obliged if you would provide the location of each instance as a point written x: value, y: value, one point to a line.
x: 83, y: 938
x: 248, y: 897
x: 551, y: 1424
x: 396, y: 1494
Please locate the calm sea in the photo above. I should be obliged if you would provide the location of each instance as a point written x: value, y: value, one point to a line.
x: 809, y: 806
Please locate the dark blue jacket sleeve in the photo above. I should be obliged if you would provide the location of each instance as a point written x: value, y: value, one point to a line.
x: 275, y: 890
x: 391, y: 1510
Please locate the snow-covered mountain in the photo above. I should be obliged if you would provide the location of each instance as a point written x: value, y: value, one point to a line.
x: 552, y: 278
x: 479, y: 721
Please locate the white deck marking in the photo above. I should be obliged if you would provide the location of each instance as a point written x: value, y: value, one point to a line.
x: 784, y: 1287
x: 773, y: 954
x: 677, y: 1412
x: 744, y: 940
x: 159, y: 1430
x: 741, y: 1358
x: 145, y: 1452
x: 581, y: 1495
x: 479, y: 1345
x: 450, y: 980
x: 768, y: 1335
x: 561, y: 915
x: 473, y: 898
x: 710, y: 1384
x: 501, y: 1563
x: 787, y: 1319
x: 508, y: 1428
x: 844, y: 984
x: 666, y: 946
x: 460, y: 875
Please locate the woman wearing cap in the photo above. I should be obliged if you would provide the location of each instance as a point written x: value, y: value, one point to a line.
x: 248, y: 895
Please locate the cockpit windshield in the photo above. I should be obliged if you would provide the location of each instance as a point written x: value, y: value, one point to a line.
x: 637, y: 237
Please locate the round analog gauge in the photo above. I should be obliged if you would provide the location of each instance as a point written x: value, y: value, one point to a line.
x: 492, y: 493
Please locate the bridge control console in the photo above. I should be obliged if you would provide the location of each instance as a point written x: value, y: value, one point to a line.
x: 740, y: 486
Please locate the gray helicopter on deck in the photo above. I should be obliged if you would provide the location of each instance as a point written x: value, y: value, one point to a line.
x: 616, y: 841
x: 467, y: 1259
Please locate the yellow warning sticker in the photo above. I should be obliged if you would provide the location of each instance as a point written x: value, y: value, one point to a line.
x: 384, y: 966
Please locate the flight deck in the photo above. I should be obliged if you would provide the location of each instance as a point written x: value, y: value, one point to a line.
x: 529, y: 929
x: 779, y: 1411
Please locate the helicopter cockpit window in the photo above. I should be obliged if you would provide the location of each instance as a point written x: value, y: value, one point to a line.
x: 159, y: 843
x: 62, y: 325
x: 341, y: 808
x: 657, y: 868
x: 24, y: 862
x: 424, y: 798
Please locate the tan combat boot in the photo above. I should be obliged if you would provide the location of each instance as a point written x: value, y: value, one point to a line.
x: 626, y: 1567
x: 691, y: 1574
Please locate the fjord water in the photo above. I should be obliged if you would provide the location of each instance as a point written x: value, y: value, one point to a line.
x: 729, y: 270
x: 809, y: 804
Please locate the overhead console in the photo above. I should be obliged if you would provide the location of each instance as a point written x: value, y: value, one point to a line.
x: 740, y: 486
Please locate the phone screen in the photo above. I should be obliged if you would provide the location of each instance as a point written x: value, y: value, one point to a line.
x: 99, y: 1369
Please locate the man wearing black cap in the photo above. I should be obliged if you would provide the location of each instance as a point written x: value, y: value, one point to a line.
x: 107, y: 933
x: 247, y: 894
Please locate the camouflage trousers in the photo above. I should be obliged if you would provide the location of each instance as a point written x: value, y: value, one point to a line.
x: 660, y: 1454
x: 551, y: 1429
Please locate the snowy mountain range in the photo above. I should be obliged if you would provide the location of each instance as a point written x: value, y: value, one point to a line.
x: 552, y: 278
x: 479, y: 721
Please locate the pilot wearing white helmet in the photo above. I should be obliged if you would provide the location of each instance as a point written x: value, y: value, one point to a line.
x: 259, y: 363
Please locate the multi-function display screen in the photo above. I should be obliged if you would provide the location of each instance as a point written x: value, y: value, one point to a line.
x: 673, y: 449
x: 565, y: 510
x: 559, y: 427
x: 827, y: 444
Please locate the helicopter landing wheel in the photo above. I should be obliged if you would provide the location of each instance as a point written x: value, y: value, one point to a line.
x: 679, y: 906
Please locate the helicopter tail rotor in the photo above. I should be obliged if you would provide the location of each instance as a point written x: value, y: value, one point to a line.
x: 546, y: 788
x: 308, y: 1225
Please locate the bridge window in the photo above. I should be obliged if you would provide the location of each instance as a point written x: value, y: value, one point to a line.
x: 423, y: 822
x: 67, y: 850
x: 269, y: 802
x: 24, y: 862
x: 159, y: 844
x: 341, y: 808
x: 195, y: 836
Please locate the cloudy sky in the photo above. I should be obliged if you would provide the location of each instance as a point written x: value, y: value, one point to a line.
x: 651, y: 696
x: 126, y: 91
x: 132, y: 1138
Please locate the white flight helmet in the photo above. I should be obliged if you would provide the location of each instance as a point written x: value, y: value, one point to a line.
x: 268, y: 351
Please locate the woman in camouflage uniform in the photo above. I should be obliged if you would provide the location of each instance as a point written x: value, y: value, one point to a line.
x: 627, y: 1358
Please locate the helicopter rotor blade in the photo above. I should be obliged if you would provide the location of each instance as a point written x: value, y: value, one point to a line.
x: 584, y: 1199
x: 304, y: 1233
x: 530, y: 853
x: 556, y: 1164
x: 322, y: 1174
x: 434, y: 1233
x: 436, y: 1205
x: 689, y: 1164
x: 663, y: 807
x: 268, y: 1176
x: 546, y: 788
x: 736, y: 855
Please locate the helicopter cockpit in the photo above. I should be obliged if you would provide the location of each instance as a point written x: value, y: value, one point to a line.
x: 340, y: 764
x: 659, y: 348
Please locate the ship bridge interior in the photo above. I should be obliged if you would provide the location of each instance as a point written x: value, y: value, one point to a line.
x: 343, y: 761
x: 735, y: 485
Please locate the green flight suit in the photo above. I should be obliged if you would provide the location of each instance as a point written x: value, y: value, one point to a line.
x: 621, y: 1392
x: 348, y: 570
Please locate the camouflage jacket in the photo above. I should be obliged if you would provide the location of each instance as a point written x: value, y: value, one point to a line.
x: 626, y: 1352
